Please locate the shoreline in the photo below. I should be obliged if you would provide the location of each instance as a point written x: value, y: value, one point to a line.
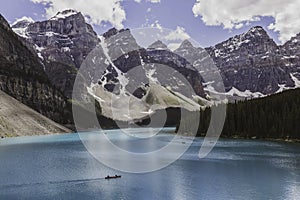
x: 291, y: 141
x: 234, y: 137
x: 38, y: 135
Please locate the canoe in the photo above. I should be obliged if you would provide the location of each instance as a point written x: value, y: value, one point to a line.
x: 113, y: 177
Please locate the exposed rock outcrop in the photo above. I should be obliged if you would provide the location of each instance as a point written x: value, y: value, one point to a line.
x: 252, y: 61
x: 62, y: 43
x: 22, y: 76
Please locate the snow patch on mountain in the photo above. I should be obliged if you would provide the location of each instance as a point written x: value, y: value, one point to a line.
x: 122, y: 79
x: 92, y: 93
x: 39, y: 51
x: 64, y: 14
x: 282, y: 87
x: 21, y: 32
x: 20, y: 26
x: 150, y: 75
x: 296, y: 81
x: 234, y: 92
x: 23, y: 19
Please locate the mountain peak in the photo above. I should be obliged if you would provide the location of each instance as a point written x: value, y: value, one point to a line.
x: 186, y: 44
x: 257, y: 30
x: 22, y: 22
x: 65, y: 14
x: 158, y: 45
x: 113, y: 31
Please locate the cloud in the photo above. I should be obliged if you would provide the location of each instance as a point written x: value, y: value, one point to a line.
x: 154, y: 1
x: 237, y: 13
x: 238, y: 26
x: 98, y: 11
x: 174, y: 46
x: 156, y: 24
x: 178, y: 34
x: 151, y: 1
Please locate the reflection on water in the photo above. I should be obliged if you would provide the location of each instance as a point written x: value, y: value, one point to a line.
x: 59, y: 167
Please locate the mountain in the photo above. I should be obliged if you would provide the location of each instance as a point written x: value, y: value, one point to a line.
x: 253, y: 62
x: 22, y: 76
x: 129, y: 77
x: 290, y: 52
x: 62, y: 43
x: 200, y: 60
x: 126, y: 55
x: 17, y: 119
x: 158, y: 45
x: 114, y: 68
x: 66, y: 42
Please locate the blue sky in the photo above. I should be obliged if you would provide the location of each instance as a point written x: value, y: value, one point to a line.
x: 166, y: 13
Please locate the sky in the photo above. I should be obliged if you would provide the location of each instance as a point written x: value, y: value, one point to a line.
x: 206, y: 21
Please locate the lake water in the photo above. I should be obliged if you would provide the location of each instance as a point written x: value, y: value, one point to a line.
x: 59, y: 167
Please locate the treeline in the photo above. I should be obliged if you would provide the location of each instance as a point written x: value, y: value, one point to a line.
x: 276, y: 116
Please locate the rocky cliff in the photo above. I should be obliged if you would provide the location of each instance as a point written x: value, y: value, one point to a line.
x: 62, y: 43
x: 253, y: 61
x: 23, y: 77
x: 126, y: 77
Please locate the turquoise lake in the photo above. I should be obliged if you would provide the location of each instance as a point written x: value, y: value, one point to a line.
x: 59, y: 167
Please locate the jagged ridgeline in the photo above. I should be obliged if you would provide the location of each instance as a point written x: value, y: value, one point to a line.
x: 253, y: 65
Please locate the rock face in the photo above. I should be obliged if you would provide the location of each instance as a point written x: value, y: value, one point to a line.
x: 65, y: 40
x: 64, y: 36
x: 202, y: 62
x: 147, y: 79
x: 126, y: 57
x: 22, y: 76
x: 62, y: 42
x: 290, y: 52
x: 252, y: 61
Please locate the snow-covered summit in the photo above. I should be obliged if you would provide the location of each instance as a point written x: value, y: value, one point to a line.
x: 253, y: 61
x: 255, y: 32
x: 245, y: 42
x: 20, y: 26
x: 22, y: 22
x: 64, y: 14
x: 257, y: 29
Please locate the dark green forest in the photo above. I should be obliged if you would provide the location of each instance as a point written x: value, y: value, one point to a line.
x: 274, y: 117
